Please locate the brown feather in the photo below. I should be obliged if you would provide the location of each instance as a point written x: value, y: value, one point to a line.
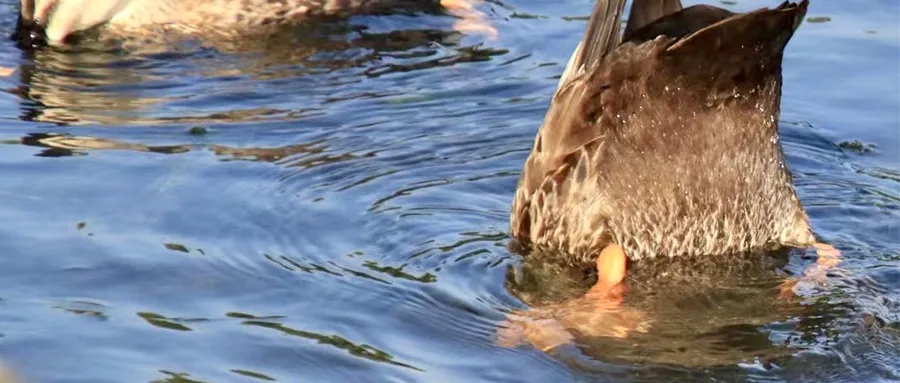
x: 644, y: 12
x: 668, y: 146
x: 602, y: 34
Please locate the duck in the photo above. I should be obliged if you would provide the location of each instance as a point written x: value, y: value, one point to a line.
x: 55, y: 22
x: 661, y: 142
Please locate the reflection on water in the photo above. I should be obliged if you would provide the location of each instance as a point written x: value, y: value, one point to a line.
x: 6, y: 376
x: 60, y: 145
x: 272, y: 322
x: 160, y: 321
x: 362, y: 351
x: 149, y: 82
x: 91, y: 309
x: 700, y: 314
x: 706, y: 318
x: 350, y: 183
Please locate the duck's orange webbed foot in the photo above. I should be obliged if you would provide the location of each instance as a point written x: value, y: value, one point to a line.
x: 544, y: 334
x: 610, y: 273
x: 597, y: 313
x: 471, y: 20
x: 828, y: 257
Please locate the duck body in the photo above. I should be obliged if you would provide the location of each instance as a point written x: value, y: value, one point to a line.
x: 59, y: 19
x: 665, y: 142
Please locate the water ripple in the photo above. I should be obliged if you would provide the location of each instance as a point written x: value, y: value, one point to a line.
x: 331, y: 203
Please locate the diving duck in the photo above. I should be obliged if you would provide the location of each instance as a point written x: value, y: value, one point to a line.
x: 662, y: 141
x: 53, y: 21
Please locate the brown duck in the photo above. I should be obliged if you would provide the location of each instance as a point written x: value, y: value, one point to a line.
x: 662, y: 141
x: 54, y: 21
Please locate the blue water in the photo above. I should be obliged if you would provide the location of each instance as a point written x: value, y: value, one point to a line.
x: 333, y: 206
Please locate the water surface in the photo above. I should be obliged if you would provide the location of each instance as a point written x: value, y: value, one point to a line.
x: 333, y: 205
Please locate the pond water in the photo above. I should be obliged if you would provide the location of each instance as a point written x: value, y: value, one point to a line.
x: 333, y: 206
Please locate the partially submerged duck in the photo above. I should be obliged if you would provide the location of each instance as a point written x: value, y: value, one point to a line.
x: 662, y: 141
x: 54, y: 21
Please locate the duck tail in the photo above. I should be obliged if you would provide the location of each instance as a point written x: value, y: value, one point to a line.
x: 750, y: 40
x: 644, y: 12
x: 602, y: 34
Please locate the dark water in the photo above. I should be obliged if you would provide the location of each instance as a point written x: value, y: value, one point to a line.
x: 332, y: 206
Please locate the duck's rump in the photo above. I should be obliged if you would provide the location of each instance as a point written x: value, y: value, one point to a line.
x: 667, y: 145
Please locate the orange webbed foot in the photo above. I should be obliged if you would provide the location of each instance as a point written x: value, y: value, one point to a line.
x: 607, y: 317
x: 544, y: 334
x: 597, y: 313
x: 828, y: 257
x: 786, y: 288
x: 610, y: 267
x: 471, y: 20
x: 607, y: 292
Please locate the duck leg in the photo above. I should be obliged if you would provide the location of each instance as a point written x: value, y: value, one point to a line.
x: 828, y: 257
x: 610, y: 272
x: 597, y: 313
x: 471, y: 20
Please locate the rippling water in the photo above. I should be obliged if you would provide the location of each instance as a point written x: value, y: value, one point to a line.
x: 332, y: 205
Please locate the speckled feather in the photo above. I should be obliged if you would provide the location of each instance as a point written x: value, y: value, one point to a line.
x: 667, y: 143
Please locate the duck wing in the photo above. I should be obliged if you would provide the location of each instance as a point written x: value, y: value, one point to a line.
x: 565, y: 128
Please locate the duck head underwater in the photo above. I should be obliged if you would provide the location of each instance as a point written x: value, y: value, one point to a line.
x: 661, y: 142
x: 54, y: 22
